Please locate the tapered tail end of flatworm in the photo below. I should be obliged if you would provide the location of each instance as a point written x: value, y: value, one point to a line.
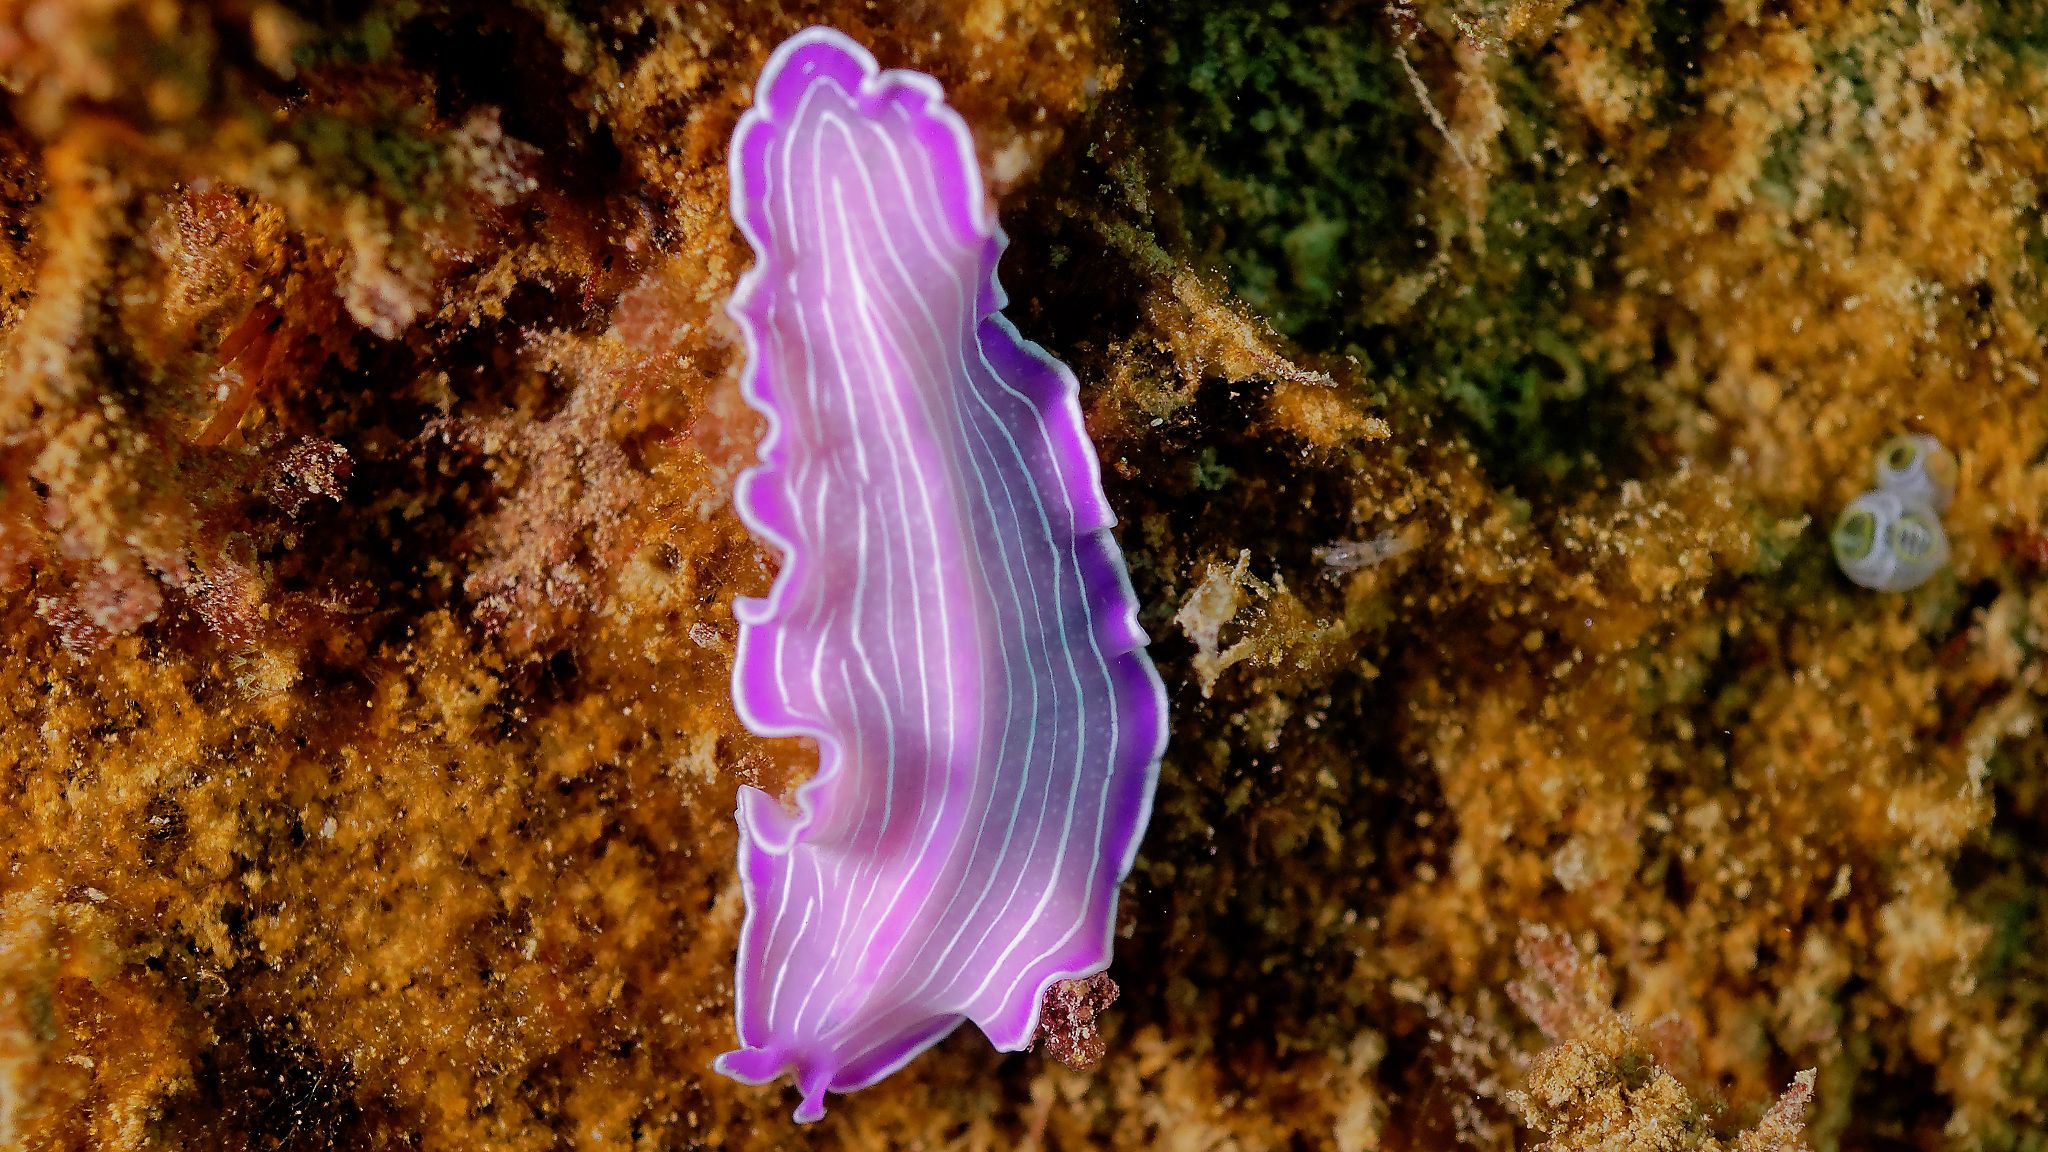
x: 817, y: 1073
x: 817, y: 1065
x: 763, y: 1065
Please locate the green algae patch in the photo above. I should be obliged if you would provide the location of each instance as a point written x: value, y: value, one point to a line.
x: 1295, y: 148
x: 1446, y: 216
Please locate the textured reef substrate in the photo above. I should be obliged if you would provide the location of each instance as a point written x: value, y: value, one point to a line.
x: 1476, y: 383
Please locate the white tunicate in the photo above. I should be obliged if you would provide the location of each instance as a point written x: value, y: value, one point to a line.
x: 1918, y: 469
x: 1885, y: 542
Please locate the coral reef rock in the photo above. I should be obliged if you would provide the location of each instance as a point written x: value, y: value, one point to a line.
x: 1475, y: 382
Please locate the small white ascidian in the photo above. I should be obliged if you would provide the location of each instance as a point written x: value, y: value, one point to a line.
x: 1919, y: 469
x: 1890, y: 539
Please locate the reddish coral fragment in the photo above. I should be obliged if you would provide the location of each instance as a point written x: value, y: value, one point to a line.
x: 1067, y: 1026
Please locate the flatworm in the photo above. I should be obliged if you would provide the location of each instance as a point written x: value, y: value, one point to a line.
x: 953, y: 623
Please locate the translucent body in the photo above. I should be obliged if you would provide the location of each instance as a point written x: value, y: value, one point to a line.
x: 1918, y: 470
x: 1884, y: 543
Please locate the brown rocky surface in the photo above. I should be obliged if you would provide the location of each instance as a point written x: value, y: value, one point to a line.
x: 1475, y: 381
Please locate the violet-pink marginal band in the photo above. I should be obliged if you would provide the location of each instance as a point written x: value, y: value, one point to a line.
x: 953, y: 623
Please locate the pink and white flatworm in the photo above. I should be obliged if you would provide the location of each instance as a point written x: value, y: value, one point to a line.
x: 953, y: 623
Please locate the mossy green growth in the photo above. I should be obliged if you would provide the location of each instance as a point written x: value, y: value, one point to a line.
x: 1209, y: 473
x: 1293, y: 141
x: 2015, y: 33
x: 371, y: 38
x: 395, y: 159
x: 2001, y: 880
x: 1313, y: 176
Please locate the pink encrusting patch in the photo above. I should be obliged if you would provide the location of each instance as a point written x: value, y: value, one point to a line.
x: 953, y: 623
